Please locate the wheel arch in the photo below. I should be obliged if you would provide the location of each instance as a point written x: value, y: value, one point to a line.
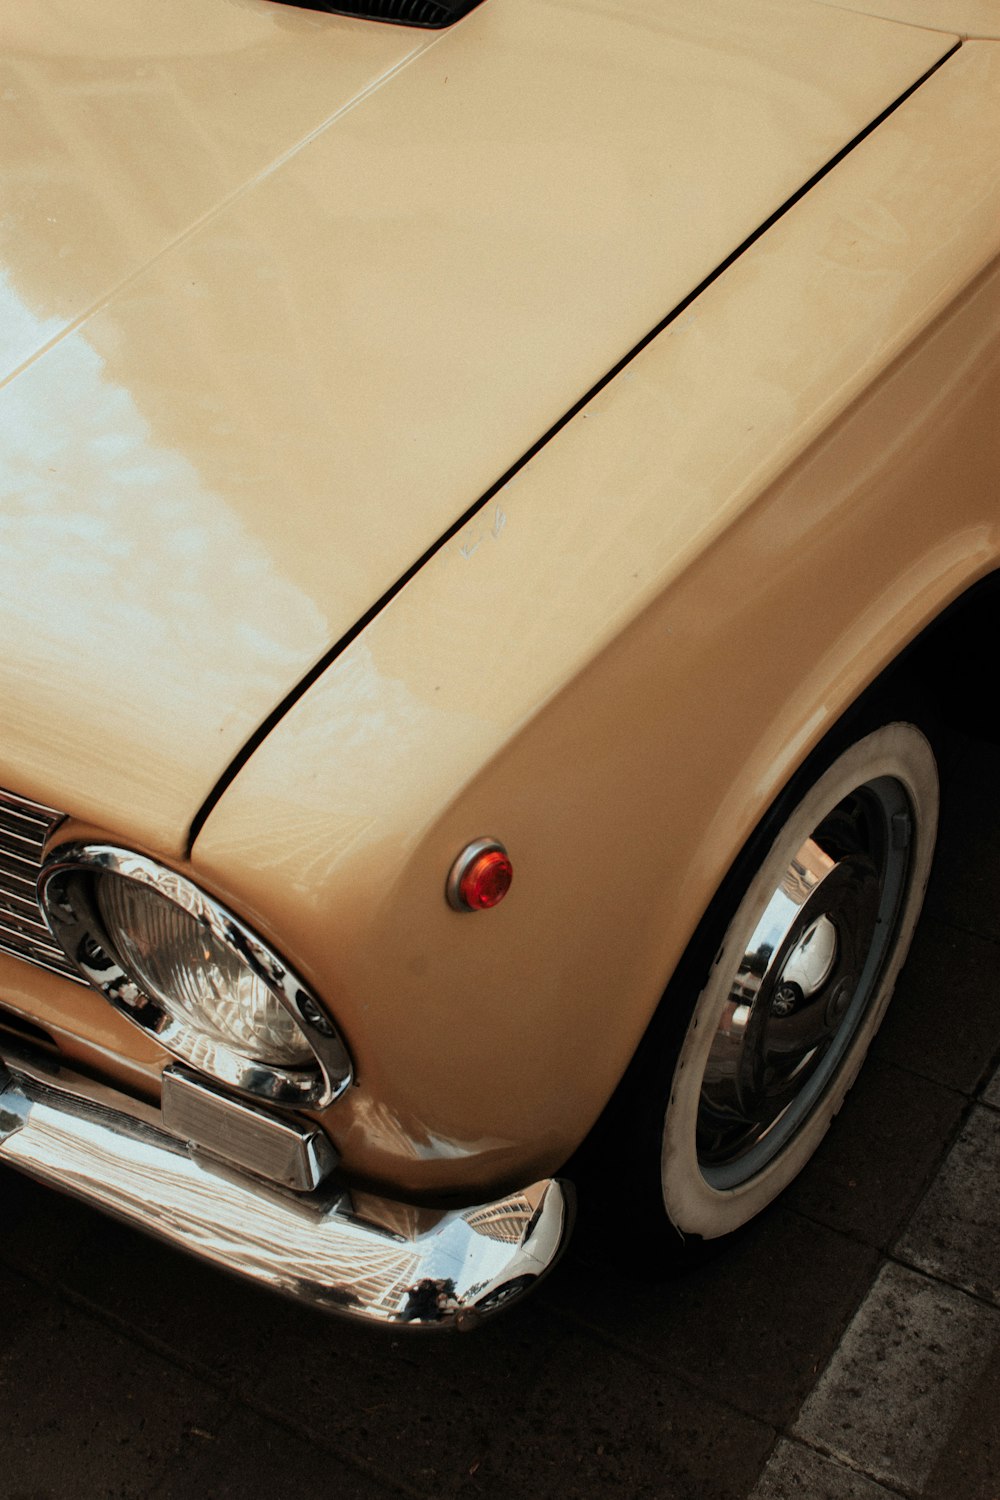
x: 933, y: 680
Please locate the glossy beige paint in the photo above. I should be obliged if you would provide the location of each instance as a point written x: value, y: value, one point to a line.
x: 287, y: 293
x: 87, y: 1032
x: 125, y: 124
x: 965, y: 18
x: 619, y: 663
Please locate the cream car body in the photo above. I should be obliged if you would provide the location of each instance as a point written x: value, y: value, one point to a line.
x: 543, y: 429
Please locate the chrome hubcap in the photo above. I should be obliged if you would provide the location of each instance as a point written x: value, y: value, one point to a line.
x: 808, y: 973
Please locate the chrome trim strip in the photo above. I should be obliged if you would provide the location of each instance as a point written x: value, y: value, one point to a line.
x: 47, y: 1073
x: 366, y: 1258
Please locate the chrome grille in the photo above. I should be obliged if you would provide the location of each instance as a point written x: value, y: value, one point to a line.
x: 24, y: 827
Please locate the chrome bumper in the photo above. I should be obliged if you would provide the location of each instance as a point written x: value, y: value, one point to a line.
x: 366, y: 1257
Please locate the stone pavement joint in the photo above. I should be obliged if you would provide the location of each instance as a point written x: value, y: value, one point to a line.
x: 888, y: 1398
x: 795, y: 1472
x: 956, y: 1230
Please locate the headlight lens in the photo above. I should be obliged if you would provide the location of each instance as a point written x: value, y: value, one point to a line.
x: 203, y: 983
x: 180, y: 966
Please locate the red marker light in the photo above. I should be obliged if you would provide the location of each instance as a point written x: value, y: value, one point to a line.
x: 480, y: 877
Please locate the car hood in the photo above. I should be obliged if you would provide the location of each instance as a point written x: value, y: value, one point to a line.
x: 281, y: 294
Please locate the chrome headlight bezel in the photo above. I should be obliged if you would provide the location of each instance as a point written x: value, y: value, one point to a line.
x: 67, y: 896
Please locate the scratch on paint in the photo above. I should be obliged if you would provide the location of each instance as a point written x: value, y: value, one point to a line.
x: 496, y: 527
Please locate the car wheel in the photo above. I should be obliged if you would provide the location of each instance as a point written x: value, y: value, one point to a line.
x: 800, y: 982
x: 791, y: 972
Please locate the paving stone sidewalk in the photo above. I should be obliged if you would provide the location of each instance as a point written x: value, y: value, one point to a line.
x: 847, y: 1348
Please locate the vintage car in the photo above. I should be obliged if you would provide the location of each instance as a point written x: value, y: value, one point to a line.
x: 496, y: 498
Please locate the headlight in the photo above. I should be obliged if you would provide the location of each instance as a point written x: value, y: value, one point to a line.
x: 181, y: 967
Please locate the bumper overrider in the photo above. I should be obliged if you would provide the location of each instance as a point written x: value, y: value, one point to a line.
x: 352, y: 1253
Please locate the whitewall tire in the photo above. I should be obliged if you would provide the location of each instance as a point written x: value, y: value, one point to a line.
x: 800, y: 982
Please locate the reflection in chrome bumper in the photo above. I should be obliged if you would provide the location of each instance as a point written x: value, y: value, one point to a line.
x: 368, y: 1257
